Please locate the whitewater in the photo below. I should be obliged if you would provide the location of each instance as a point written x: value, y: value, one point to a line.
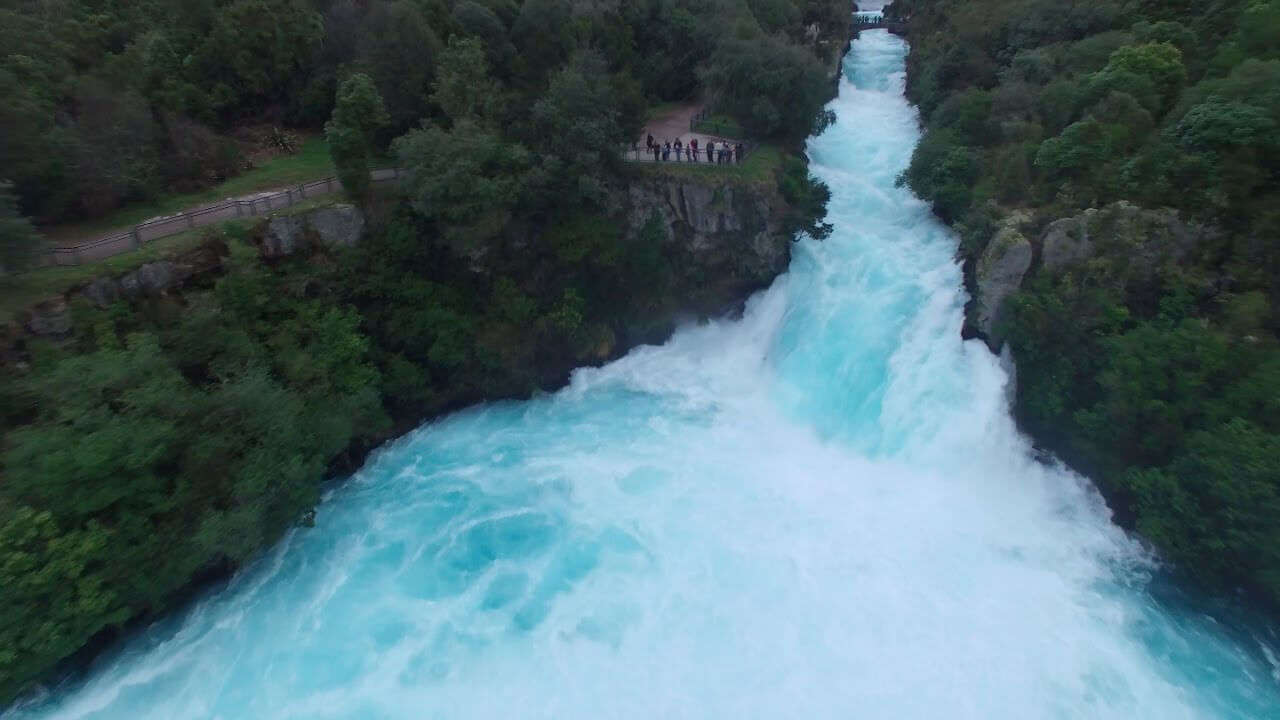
x: 819, y: 510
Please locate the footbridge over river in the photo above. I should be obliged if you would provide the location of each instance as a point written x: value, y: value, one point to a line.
x: 878, y: 22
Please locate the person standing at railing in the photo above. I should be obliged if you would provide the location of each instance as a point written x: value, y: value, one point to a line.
x: 693, y: 150
x: 655, y: 150
x: 679, y: 149
x: 711, y: 151
x: 666, y: 151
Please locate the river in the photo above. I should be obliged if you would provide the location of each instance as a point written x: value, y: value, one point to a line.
x: 821, y: 510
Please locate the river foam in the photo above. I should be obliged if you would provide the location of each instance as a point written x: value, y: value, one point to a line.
x: 821, y: 510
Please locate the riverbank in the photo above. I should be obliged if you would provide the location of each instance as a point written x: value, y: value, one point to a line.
x: 1112, y: 244
x: 353, y: 331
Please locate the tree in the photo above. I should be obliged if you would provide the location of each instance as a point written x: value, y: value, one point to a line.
x: 399, y: 51
x: 1157, y: 65
x: 358, y: 114
x: 943, y: 170
x: 776, y: 90
x: 1213, y: 510
x: 1080, y: 149
x: 463, y: 89
x: 467, y: 179
x: 253, y: 51
x: 18, y: 239
x: 578, y: 112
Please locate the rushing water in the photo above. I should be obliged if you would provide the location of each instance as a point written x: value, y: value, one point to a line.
x: 820, y: 510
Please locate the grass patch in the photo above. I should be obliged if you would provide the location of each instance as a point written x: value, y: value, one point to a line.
x: 311, y: 162
x: 22, y: 290
x: 760, y: 169
x: 721, y: 125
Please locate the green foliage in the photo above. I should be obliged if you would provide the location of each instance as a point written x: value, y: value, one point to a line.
x: 463, y: 89
x: 578, y: 132
x: 358, y: 114
x: 1213, y: 508
x: 943, y: 169
x: 467, y: 179
x: 1158, y: 380
x: 172, y: 439
x: 165, y: 448
x: 807, y: 198
x: 18, y: 239
x: 772, y: 88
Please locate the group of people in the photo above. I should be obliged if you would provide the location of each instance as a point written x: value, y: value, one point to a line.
x: 721, y: 153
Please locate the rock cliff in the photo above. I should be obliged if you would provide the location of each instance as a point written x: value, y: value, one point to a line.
x: 724, y: 240
x: 1136, y: 242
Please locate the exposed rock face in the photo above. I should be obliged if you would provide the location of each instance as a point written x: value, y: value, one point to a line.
x: 155, y: 278
x: 150, y: 279
x: 284, y: 235
x: 1136, y: 242
x: 331, y: 227
x: 1065, y: 242
x: 1140, y: 240
x: 338, y: 226
x: 724, y: 241
x: 51, y: 318
x: 998, y: 274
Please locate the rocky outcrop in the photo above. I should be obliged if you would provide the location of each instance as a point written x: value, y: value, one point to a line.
x: 1139, y: 240
x: 154, y: 279
x: 284, y: 235
x: 1136, y: 242
x: 51, y: 318
x: 337, y: 226
x: 998, y: 274
x: 724, y: 240
x: 330, y: 227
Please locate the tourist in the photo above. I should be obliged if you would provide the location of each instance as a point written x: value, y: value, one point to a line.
x: 666, y: 151
x: 711, y: 151
x: 679, y: 149
x: 737, y: 152
x: 649, y: 145
x: 693, y: 150
x: 655, y: 150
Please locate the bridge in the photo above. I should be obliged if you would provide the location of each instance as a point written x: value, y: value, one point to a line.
x: 877, y: 22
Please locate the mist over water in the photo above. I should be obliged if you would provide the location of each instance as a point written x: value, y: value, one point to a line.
x: 821, y: 510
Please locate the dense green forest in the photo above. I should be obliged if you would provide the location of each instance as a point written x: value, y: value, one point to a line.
x: 1165, y: 387
x: 170, y: 439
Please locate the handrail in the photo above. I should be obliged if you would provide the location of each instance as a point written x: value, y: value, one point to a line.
x: 231, y: 209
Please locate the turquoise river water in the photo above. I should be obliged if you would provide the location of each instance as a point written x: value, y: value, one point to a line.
x: 821, y: 510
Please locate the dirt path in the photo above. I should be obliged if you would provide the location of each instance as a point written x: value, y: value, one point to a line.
x: 671, y: 125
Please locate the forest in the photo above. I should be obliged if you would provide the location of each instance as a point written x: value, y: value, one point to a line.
x: 1164, y: 388
x: 169, y: 441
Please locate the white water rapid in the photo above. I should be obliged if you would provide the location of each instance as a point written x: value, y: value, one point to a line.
x: 821, y: 510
